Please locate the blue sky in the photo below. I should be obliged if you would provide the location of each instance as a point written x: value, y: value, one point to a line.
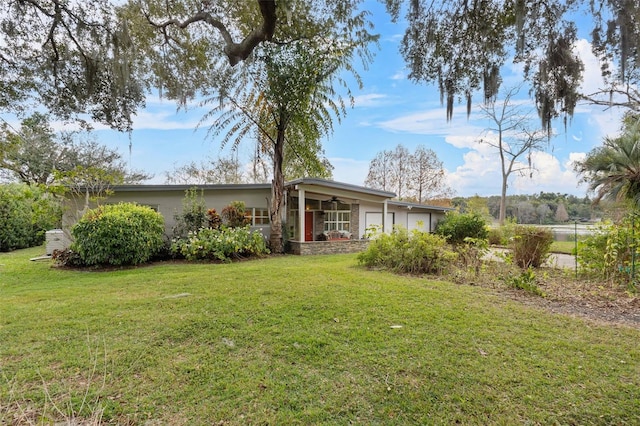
x: 390, y: 110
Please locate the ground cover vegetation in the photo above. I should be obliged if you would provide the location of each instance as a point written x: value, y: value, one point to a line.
x: 250, y: 342
x: 127, y: 234
x: 611, y: 253
x: 205, y: 234
x: 26, y: 214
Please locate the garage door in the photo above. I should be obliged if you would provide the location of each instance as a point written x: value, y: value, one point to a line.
x: 375, y: 219
x: 421, y: 221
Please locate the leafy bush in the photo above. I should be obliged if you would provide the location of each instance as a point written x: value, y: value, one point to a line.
x: 495, y: 237
x: 415, y: 253
x: 193, y: 216
x: 213, y: 218
x: 530, y: 246
x: 503, y: 234
x: 118, y: 234
x: 26, y: 213
x: 456, y: 227
x: 220, y: 244
x: 607, y: 253
x: 471, y: 254
x: 233, y: 215
x: 525, y: 281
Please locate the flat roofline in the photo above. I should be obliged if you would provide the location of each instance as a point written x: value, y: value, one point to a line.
x: 164, y: 187
x: 340, y: 185
x: 409, y: 205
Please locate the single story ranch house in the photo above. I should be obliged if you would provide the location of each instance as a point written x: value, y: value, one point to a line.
x: 321, y: 216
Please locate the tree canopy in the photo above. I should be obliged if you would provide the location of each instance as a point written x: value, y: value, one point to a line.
x: 72, y: 57
x: 460, y: 45
x: 36, y: 155
x: 417, y: 176
x: 613, y: 169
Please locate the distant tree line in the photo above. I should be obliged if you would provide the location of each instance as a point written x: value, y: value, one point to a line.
x: 542, y: 208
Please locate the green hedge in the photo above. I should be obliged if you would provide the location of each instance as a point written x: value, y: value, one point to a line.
x: 26, y: 213
x: 456, y: 227
x: 118, y: 234
x: 414, y: 252
x: 220, y: 244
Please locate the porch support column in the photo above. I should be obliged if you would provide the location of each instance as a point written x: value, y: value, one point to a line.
x: 385, y: 225
x: 301, y: 210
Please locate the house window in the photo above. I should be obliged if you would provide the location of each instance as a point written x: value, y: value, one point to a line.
x: 260, y: 216
x: 337, y: 220
x: 257, y: 216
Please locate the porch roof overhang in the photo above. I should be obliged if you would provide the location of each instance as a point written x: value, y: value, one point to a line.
x: 419, y: 207
x: 331, y: 188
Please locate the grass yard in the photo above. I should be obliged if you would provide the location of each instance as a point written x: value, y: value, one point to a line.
x: 566, y: 247
x: 297, y: 340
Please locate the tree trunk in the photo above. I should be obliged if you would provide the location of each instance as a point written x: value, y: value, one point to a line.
x: 277, y: 194
x: 503, y: 200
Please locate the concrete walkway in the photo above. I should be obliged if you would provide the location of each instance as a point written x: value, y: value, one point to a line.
x: 556, y: 260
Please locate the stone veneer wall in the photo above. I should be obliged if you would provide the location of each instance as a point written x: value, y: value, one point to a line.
x: 318, y: 225
x: 328, y: 247
x: 355, y: 221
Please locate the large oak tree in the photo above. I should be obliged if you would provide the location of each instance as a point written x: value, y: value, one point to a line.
x: 460, y: 45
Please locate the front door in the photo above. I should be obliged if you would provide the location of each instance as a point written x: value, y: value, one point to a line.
x: 308, y: 226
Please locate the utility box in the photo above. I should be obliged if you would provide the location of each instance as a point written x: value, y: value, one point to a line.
x: 55, y: 240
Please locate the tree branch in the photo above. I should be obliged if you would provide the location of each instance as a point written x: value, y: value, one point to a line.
x: 235, y: 52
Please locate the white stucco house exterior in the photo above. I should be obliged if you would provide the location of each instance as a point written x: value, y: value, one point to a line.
x: 320, y: 215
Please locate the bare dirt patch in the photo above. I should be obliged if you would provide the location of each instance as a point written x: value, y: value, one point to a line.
x: 563, y: 293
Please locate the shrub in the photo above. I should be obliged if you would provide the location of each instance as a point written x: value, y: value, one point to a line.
x: 503, y: 234
x: 607, y: 253
x: 456, y: 227
x: 26, y: 213
x: 193, y: 216
x: 213, y: 218
x: 233, y: 215
x: 530, y: 246
x: 118, y: 234
x: 495, y: 237
x: 220, y: 244
x: 415, y: 253
x: 525, y: 281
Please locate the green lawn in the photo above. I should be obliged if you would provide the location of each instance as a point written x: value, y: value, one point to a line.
x: 297, y: 340
x: 566, y: 247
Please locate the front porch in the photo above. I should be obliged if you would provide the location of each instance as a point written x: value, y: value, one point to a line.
x: 326, y: 217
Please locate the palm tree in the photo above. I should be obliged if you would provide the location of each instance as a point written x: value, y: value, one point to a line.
x: 289, y: 98
x: 613, y: 170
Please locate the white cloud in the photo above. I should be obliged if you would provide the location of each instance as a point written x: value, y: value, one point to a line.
x: 592, y: 75
x: 481, y: 174
x: 431, y: 122
x: 370, y: 100
x: 165, y: 120
x: 349, y: 170
x: 400, y: 75
x: 548, y: 176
